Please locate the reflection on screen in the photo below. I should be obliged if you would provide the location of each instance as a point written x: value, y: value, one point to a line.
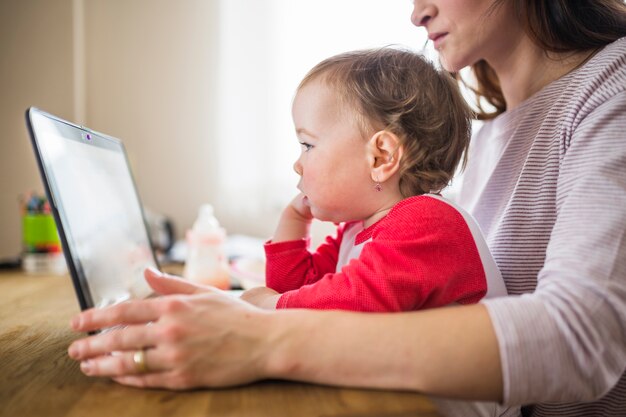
x: 101, y: 216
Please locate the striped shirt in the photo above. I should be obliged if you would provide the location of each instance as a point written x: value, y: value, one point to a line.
x: 546, y: 182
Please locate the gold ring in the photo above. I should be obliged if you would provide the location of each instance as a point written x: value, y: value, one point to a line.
x: 139, y: 359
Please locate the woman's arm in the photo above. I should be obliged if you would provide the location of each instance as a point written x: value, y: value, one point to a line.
x: 206, y: 339
x: 567, y: 340
x: 448, y: 351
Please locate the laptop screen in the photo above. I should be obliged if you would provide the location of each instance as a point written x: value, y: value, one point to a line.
x: 95, y: 201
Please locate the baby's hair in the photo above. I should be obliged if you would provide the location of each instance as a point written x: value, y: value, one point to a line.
x: 400, y: 91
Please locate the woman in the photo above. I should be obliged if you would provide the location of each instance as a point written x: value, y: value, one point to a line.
x: 546, y: 180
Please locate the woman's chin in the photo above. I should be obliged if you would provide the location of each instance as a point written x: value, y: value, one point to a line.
x: 451, y: 63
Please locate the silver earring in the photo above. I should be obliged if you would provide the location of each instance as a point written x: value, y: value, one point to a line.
x: 378, y: 187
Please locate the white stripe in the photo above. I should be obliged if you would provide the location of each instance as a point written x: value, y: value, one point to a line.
x: 495, y: 283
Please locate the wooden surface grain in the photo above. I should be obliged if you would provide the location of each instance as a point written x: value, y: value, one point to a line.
x: 37, y: 378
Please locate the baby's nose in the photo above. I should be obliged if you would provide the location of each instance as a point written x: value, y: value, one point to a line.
x: 297, y: 166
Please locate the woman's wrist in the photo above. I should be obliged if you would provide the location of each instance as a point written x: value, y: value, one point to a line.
x: 284, y: 334
x: 289, y: 353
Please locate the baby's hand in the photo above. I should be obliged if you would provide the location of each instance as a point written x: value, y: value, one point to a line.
x: 300, y: 209
x: 262, y: 297
x: 295, y: 221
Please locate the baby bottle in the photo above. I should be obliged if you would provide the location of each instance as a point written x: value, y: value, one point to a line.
x: 206, y: 263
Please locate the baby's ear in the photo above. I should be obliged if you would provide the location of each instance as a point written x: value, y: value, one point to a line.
x: 385, y: 151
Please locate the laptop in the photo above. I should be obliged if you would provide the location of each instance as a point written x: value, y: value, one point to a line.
x: 96, y: 208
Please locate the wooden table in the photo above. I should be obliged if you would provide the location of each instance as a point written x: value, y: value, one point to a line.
x: 37, y: 378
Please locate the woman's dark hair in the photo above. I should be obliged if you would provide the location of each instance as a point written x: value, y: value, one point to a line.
x: 556, y: 26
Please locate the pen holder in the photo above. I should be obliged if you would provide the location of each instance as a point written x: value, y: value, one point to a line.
x: 42, y: 252
x: 40, y: 234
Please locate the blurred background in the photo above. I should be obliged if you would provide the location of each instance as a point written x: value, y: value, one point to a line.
x: 199, y: 91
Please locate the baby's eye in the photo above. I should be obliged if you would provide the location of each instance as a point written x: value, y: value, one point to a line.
x: 307, y: 146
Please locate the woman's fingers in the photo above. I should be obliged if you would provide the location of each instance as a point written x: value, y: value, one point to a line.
x: 116, y: 340
x: 168, y: 379
x: 137, y: 311
x: 145, y: 381
x: 204, y: 339
x: 131, y: 312
x: 165, y: 284
x: 125, y: 363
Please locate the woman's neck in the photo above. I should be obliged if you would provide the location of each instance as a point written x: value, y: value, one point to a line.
x: 527, y: 69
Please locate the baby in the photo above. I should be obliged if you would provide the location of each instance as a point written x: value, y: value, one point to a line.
x: 382, y: 133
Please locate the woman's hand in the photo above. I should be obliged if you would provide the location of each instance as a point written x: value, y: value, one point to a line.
x: 193, y: 336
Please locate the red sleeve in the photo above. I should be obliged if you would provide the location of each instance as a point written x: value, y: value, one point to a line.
x: 422, y: 255
x: 290, y: 265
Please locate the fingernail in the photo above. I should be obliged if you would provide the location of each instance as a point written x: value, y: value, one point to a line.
x: 154, y: 270
x: 85, y: 366
x: 75, y: 323
x: 72, y: 351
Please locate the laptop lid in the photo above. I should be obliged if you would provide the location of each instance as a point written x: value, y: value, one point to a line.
x: 96, y: 208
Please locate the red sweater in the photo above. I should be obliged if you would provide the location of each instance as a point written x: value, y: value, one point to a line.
x: 422, y: 254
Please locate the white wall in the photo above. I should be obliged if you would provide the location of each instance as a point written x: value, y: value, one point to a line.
x: 140, y: 70
x: 36, y: 68
x: 150, y: 80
